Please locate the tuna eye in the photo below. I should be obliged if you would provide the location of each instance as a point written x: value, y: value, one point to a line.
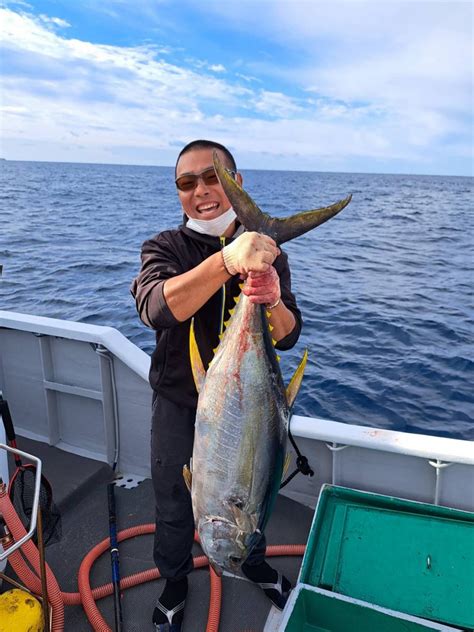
x: 235, y: 559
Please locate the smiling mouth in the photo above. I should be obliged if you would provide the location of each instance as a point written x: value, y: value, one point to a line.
x: 208, y: 207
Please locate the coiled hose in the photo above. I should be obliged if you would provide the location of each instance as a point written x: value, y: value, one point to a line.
x: 88, y: 596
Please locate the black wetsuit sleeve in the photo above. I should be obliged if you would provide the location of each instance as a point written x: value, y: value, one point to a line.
x: 288, y: 298
x: 160, y: 262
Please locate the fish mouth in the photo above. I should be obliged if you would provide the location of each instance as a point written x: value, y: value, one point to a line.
x: 232, y: 565
x: 219, y: 539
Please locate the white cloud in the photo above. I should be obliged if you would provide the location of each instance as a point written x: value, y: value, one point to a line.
x: 54, y: 21
x: 247, y: 77
x: 401, y: 56
x: 397, y: 104
x: 217, y: 68
x: 276, y: 104
x: 402, y: 70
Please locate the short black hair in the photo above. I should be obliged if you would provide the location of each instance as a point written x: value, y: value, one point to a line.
x: 207, y: 144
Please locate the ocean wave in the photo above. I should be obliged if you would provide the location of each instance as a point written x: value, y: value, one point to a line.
x: 384, y: 289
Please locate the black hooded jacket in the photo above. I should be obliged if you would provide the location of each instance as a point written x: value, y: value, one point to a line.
x: 169, y: 254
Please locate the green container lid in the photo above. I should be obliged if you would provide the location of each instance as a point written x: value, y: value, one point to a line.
x: 316, y: 610
x: 407, y: 556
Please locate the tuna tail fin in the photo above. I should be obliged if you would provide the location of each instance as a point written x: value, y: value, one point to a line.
x: 295, y: 382
x: 199, y: 373
x: 253, y: 218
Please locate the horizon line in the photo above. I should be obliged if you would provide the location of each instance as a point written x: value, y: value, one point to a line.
x: 122, y: 164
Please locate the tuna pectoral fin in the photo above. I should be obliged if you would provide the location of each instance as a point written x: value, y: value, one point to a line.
x: 245, y: 521
x: 295, y: 382
x: 253, y: 218
x: 188, y: 477
x: 197, y: 366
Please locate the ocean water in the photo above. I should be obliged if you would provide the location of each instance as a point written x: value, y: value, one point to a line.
x: 385, y: 288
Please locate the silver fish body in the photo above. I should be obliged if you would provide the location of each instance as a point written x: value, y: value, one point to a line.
x: 243, y: 408
x: 240, y: 439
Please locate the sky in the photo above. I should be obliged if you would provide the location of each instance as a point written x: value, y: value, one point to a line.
x: 377, y: 87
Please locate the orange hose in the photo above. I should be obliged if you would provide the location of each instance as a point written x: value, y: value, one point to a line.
x: 31, y: 552
x: 86, y: 595
x: 215, y: 599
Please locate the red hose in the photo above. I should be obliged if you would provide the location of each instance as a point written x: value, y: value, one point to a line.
x: 31, y: 552
x: 86, y: 595
x: 214, y: 601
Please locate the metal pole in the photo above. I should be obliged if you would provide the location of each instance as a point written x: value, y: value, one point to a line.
x: 114, y: 556
x: 44, y: 588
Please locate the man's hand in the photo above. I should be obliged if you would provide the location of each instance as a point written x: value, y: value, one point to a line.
x: 263, y: 287
x: 250, y: 252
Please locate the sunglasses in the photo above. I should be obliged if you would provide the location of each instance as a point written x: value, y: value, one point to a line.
x: 208, y: 176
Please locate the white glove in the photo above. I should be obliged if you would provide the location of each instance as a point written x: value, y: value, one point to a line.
x: 250, y: 251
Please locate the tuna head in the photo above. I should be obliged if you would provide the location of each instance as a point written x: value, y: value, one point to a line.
x: 224, y: 543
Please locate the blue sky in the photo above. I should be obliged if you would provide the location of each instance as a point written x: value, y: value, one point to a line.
x: 318, y: 86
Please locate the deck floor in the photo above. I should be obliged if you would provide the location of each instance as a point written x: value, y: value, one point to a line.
x: 79, y: 487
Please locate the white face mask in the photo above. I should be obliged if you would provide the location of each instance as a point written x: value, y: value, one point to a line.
x: 215, y: 227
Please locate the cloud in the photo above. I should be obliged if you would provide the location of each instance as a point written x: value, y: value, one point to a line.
x: 54, y: 21
x: 275, y: 104
x: 409, y: 61
x: 247, y: 77
x: 397, y: 52
x: 383, y: 90
x: 217, y: 68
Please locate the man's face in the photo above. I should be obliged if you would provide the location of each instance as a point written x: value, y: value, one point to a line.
x: 206, y: 201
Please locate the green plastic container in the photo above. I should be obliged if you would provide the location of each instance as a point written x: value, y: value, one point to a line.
x: 405, y: 556
x: 317, y: 610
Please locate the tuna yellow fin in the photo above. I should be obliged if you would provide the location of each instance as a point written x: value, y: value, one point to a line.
x: 188, y: 477
x: 295, y: 382
x: 199, y: 373
x: 286, y: 465
x: 245, y: 521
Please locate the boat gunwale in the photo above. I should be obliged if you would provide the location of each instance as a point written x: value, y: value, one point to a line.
x: 441, y: 449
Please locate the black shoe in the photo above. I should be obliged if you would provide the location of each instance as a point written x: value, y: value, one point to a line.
x: 278, y: 592
x: 169, y: 609
x: 275, y: 585
x: 169, y: 626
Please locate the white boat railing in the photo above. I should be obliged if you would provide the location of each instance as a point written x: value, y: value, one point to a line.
x: 84, y: 388
x: 34, y: 509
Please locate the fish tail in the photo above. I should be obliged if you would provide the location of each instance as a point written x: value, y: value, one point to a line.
x: 279, y: 229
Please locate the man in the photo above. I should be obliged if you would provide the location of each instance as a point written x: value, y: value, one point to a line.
x: 195, y: 271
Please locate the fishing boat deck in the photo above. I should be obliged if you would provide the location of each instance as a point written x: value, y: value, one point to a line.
x: 84, y: 389
x: 79, y: 488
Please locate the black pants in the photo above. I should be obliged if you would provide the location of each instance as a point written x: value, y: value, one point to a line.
x: 172, y: 436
